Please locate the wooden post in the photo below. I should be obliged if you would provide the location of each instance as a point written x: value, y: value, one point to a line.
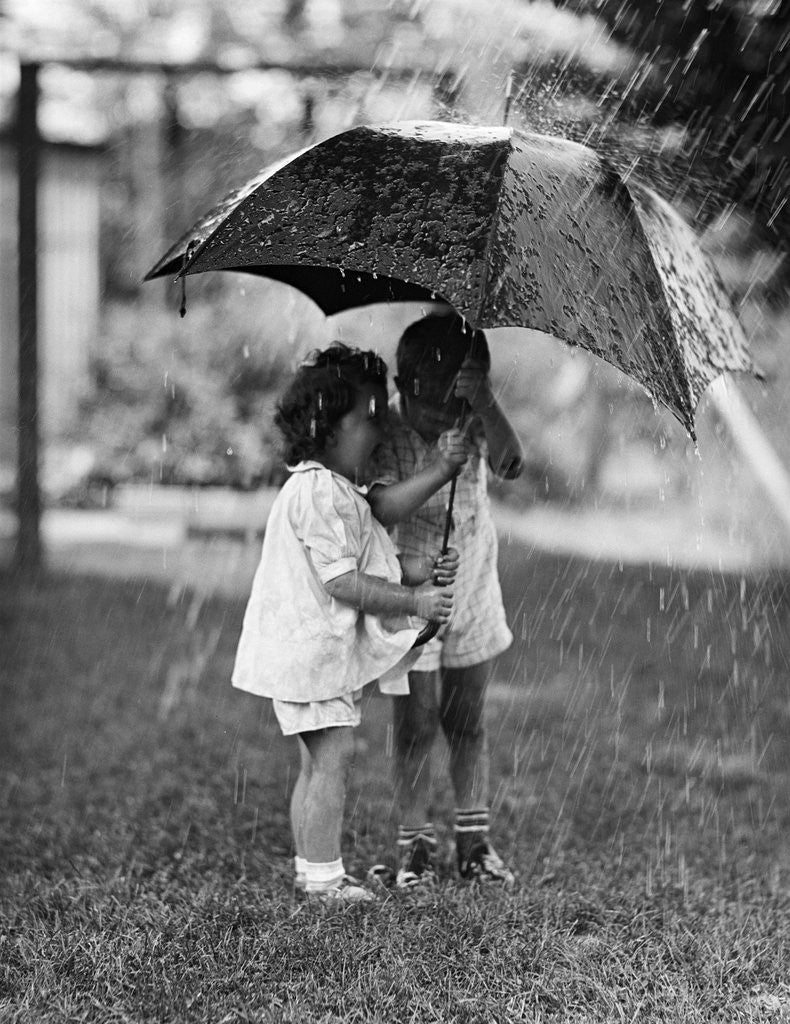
x: 28, y: 552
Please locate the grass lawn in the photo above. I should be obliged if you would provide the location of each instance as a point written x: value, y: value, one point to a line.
x: 640, y: 732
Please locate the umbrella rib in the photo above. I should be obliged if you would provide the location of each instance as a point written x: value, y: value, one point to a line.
x: 686, y: 397
x: 489, y: 246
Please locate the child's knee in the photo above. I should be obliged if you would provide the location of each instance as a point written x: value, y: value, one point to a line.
x: 343, y: 749
x: 333, y: 752
x: 463, y: 720
x: 416, y: 721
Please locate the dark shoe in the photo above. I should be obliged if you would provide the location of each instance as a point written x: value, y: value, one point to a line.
x: 481, y: 863
x: 417, y: 867
x: 380, y: 877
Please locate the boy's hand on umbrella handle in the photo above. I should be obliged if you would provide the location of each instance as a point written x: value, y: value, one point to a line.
x: 474, y: 384
x: 453, y: 447
x: 433, y: 603
x: 445, y: 568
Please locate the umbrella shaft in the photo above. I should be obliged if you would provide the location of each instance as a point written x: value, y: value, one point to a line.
x: 449, y: 520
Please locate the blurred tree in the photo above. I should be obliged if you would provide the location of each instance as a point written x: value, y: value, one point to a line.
x: 720, y: 72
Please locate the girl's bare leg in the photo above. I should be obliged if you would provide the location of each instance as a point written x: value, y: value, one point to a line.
x: 330, y: 752
x: 299, y: 796
x: 416, y: 723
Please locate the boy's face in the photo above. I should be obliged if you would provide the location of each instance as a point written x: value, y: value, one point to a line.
x: 428, y: 394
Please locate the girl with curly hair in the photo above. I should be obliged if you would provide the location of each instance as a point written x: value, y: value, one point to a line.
x: 332, y: 608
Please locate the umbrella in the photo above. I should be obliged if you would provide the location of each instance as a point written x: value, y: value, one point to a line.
x: 510, y: 228
x: 180, y: 252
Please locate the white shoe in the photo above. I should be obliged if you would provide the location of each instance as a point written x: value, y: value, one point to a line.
x: 346, y: 890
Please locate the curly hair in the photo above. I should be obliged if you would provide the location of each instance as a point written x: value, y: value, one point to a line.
x: 434, y: 339
x: 323, y: 390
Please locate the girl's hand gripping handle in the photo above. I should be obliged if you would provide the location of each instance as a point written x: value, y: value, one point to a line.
x: 445, y: 569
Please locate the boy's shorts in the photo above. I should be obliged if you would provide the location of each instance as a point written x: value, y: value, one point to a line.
x: 319, y: 714
x: 479, y: 641
x: 478, y: 629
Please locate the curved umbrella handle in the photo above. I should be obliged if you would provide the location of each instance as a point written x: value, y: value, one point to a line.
x: 430, y: 629
x: 428, y: 632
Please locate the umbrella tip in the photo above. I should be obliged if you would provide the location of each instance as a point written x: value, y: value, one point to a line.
x: 188, y: 253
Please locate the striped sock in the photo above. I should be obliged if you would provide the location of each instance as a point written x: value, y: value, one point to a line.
x: 417, y: 849
x: 406, y: 836
x: 320, y: 876
x: 471, y: 826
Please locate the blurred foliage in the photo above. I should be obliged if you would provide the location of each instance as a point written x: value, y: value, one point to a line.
x: 695, y: 103
x: 704, y: 110
x: 192, y: 402
x: 185, y: 407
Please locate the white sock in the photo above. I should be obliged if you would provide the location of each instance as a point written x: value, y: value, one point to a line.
x: 322, y: 876
x: 299, y: 869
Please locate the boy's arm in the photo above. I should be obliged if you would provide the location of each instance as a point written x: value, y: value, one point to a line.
x: 392, y: 502
x: 505, y: 454
x: 375, y: 596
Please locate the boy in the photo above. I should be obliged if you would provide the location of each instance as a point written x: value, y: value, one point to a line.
x: 443, y: 383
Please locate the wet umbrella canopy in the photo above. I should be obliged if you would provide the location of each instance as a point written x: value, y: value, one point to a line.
x: 510, y: 228
x: 177, y: 256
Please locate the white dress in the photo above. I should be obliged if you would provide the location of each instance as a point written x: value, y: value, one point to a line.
x: 297, y: 642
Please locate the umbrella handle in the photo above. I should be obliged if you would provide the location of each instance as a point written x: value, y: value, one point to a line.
x: 430, y: 629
